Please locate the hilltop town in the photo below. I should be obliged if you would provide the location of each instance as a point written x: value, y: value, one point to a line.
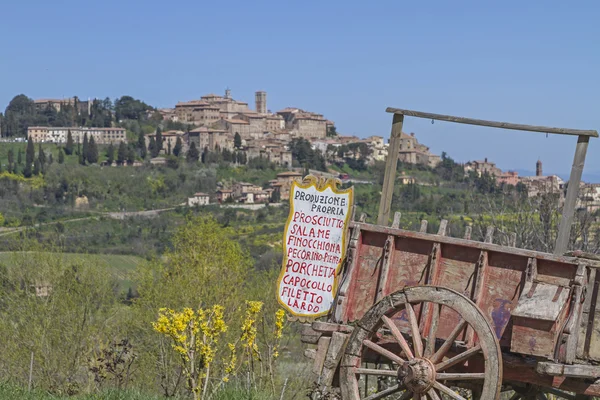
x: 230, y: 127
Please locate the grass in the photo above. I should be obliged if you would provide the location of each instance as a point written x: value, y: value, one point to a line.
x: 15, y: 392
x: 119, y: 265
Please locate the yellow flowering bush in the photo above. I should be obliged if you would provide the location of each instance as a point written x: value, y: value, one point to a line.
x: 194, y: 336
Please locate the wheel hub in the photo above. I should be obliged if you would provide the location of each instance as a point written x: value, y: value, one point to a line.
x: 417, y: 374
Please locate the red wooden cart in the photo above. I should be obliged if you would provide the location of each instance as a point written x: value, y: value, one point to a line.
x: 428, y: 316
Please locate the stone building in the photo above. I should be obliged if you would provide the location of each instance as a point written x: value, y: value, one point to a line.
x: 45, y: 134
x: 508, y: 178
x: 412, y: 152
x: 84, y: 107
x: 283, y: 183
x: 210, y: 138
x: 481, y: 167
x: 303, y: 123
x: 224, y: 195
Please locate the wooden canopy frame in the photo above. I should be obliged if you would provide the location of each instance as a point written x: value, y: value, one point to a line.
x: 583, y: 137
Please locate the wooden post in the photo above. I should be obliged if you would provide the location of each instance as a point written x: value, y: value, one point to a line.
x: 391, y: 164
x: 564, y: 231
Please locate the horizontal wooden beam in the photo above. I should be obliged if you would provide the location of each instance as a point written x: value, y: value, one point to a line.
x: 493, y: 124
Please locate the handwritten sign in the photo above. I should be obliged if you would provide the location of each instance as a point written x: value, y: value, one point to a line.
x: 314, y: 244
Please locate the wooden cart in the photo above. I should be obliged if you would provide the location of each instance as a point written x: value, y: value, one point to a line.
x: 428, y: 316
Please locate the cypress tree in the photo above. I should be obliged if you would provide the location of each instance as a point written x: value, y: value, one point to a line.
x: 19, y: 158
x: 36, y: 167
x: 29, y: 157
x: 11, y: 160
x: 92, y: 155
x: 169, y: 148
x: 153, y: 147
x: 121, y: 154
x: 178, y: 147
x: 193, y: 153
x: 159, y: 140
x: 86, y: 148
x: 130, y: 155
x: 61, y: 156
x: 69, y: 145
x: 237, y: 141
x: 141, y: 143
x: 110, y: 154
x: 41, y: 155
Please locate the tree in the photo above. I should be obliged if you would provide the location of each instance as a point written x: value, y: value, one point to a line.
x: 178, y: 147
x: 29, y: 157
x: 11, y: 160
x: 69, y: 145
x: 85, y: 148
x: 61, y: 156
x: 50, y: 159
x: 159, y: 139
x: 331, y: 131
x: 127, y: 107
x: 19, y: 115
x: 152, y: 147
x: 193, y: 155
x: 237, y: 141
x: 122, y: 154
x: 36, y: 167
x: 92, y: 155
x: 41, y: 155
x: 130, y: 155
x: 110, y: 154
x: 141, y: 142
x: 169, y: 147
x: 19, y: 157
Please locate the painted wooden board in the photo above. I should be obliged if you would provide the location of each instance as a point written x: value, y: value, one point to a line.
x: 541, y: 301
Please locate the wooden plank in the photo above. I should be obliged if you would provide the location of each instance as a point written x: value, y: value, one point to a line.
x: 320, y: 354
x: 332, y: 359
x: 564, y: 230
x: 423, y: 228
x: 592, y: 294
x: 329, y: 327
x: 571, y: 371
x: 480, y: 273
x: 475, y: 245
x: 489, y: 234
x: 396, y: 222
x: 390, y: 171
x: 493, y: 124
x: 468, y: 232
x: 542, y: 302
x: 308, y: 335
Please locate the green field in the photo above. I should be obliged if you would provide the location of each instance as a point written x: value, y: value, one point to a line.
x: 120, y: 266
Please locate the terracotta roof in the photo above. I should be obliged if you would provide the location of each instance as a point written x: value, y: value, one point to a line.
x: 289, y: 173
x: 200, y: 194
x: 237, y: 121
x: 224, y: 191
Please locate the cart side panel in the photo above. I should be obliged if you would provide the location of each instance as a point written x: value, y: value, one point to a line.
x: 503, y: 280
x: 363, y: 290
x: 456, y: 271
x: 408, y: 264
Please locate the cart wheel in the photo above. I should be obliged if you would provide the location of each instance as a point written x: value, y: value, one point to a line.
x: 418, y: 372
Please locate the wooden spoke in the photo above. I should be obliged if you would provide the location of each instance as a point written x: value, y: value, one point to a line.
x: 414, y: 327
x: 447, y: 391
x: 439, y: 355
x: 457, y: 359
x: 398, y: 336
x: 435, y: 309
x: 460, y: 377
x: 433, y: 395
x: 384, y: 393
x: 560, y: 393
x: 386, y: 353
x: 380, y: 372
x: 417, y: 396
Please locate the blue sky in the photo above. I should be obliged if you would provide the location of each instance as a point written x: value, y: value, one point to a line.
x: 534, y: 62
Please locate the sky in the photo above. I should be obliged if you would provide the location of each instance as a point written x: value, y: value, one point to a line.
x: 534, y: 62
